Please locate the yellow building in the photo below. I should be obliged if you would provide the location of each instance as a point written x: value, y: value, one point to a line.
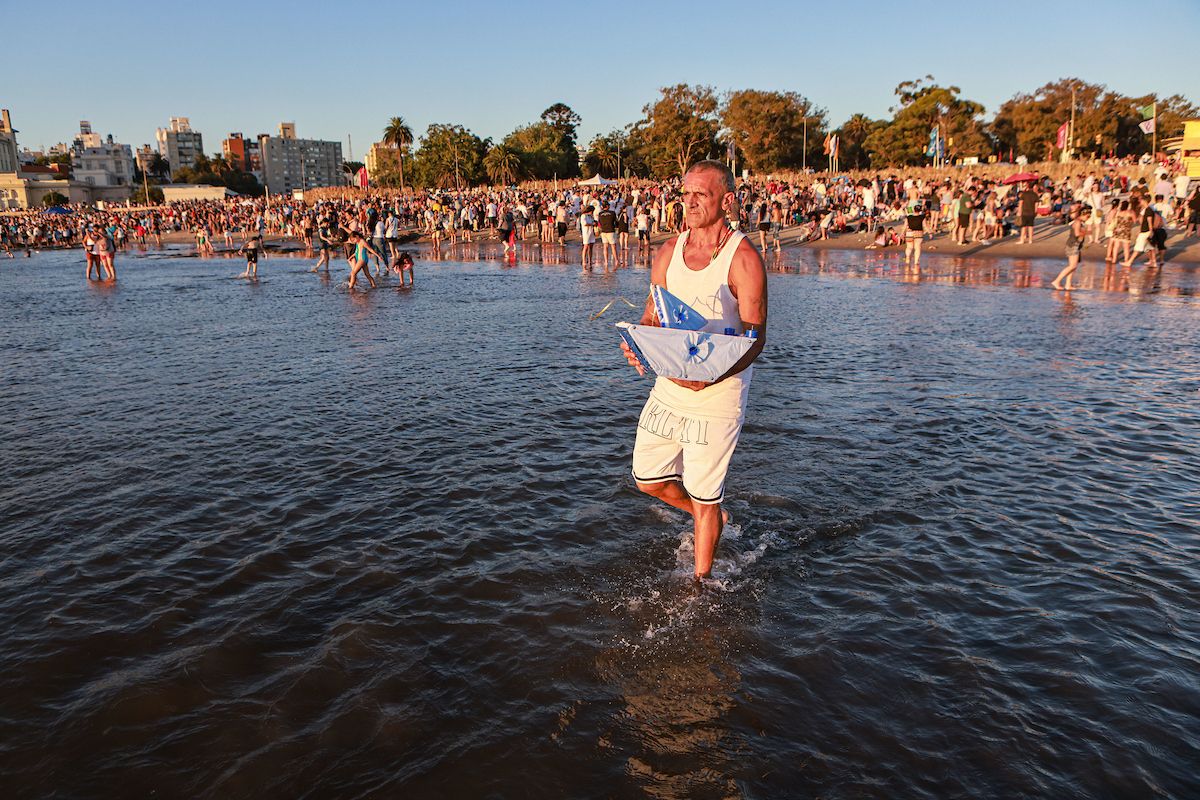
x: 1189, y: 150
x: 382, y: 158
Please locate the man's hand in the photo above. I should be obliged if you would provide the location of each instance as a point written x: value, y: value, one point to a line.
x: 695, y: 386
x: 631, y: 358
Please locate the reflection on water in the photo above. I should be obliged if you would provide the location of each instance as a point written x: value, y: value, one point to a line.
x: 283, y: 540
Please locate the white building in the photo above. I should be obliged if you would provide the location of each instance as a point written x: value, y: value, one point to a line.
x: 8, y: 144
x: 100, y: 162
x: 179, y: 144
x: 289, y: 163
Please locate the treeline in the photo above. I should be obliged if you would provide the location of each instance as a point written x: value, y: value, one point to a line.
x: 213, y: 171
x: 769, y: 131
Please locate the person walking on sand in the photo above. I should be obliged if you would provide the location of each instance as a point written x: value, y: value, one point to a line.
x: 688, y: 430
x: 1076, y: 235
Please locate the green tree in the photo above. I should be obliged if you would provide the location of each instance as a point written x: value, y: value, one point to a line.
x: 923, y: 104
x: 397, y: 134
x: 560, y: 117
x: 53, y: 199
x: 603, y: 155
x: 852, y: 137
x: 240, y: 182
x: 159, y: 167
x: 768, y: 128
x: 139, y: 195
x: 1027, y: 124
x: 220, y: 166
x: 503, y: 164
x: 449, y: 155
x: 544, y: 150
x: 678, y: 129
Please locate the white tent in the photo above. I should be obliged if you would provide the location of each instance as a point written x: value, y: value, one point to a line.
x: 597, y: 181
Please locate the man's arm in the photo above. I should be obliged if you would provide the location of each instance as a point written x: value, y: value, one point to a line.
x: 748, y: 283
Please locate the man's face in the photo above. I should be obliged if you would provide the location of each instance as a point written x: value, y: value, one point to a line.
x: 704, y: 198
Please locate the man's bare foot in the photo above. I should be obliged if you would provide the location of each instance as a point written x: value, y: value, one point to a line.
x: 1055, y: 284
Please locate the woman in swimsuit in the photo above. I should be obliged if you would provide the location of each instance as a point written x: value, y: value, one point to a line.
x: 358, y: 260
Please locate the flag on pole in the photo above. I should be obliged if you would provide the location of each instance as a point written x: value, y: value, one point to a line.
x: 1147, y: 111
x: 833, y: 146
x: 363, y: 179
x: 1148, y: 126
x: 827, y: 148
x: 1061, y: 142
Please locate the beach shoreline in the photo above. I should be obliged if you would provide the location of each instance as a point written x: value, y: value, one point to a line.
x: 1049, y: 242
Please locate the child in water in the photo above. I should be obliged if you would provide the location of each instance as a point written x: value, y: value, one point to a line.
x: 403, y: 265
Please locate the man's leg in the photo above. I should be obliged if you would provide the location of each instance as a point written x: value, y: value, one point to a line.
x: 670, y: 492
x: 708, y: 520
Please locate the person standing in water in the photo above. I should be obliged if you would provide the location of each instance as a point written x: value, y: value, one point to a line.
x: 251, y: 248
x: 1076, y: 235
x: 914, y: 234
x: 688, y: 430
x: 360, y: 258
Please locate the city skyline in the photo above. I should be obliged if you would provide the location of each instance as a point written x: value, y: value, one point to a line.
x: 493, y: 72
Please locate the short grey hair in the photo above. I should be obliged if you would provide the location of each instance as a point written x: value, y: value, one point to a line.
x: 719, y: 167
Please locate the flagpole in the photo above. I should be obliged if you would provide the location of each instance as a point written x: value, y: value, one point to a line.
x: 1071, y: 141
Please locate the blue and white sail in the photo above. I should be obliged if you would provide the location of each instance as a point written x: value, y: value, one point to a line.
x: 673, y: 312
x: 690, y: 355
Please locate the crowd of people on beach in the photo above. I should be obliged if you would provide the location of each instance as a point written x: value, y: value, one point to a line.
x: 1130, y: 216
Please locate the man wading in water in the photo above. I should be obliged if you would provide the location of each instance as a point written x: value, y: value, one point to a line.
x: 688, y: 429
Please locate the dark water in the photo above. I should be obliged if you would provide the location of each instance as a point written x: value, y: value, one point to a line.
x: 277, y: 540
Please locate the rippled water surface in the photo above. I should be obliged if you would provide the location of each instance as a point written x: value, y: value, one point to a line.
x: 280, y: 540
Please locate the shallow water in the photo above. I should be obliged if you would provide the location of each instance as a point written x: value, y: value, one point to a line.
x: 283, y: 540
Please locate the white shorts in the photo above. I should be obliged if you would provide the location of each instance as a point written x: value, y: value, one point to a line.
x: 608, y: 238
x: 1141, y: 242
x: 675, y: 445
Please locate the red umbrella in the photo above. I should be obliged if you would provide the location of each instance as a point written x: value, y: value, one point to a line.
x: 1022, y: 177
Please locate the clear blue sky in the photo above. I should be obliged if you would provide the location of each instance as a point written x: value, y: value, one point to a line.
x: 338, y: 68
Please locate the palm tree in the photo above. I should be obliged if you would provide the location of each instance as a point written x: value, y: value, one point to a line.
x: 503, y: 164
x: 220, y: 165
x: 158, y: 166
x: 400, y: 136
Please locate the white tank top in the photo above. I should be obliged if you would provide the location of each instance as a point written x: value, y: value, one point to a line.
x: 707, y: 291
